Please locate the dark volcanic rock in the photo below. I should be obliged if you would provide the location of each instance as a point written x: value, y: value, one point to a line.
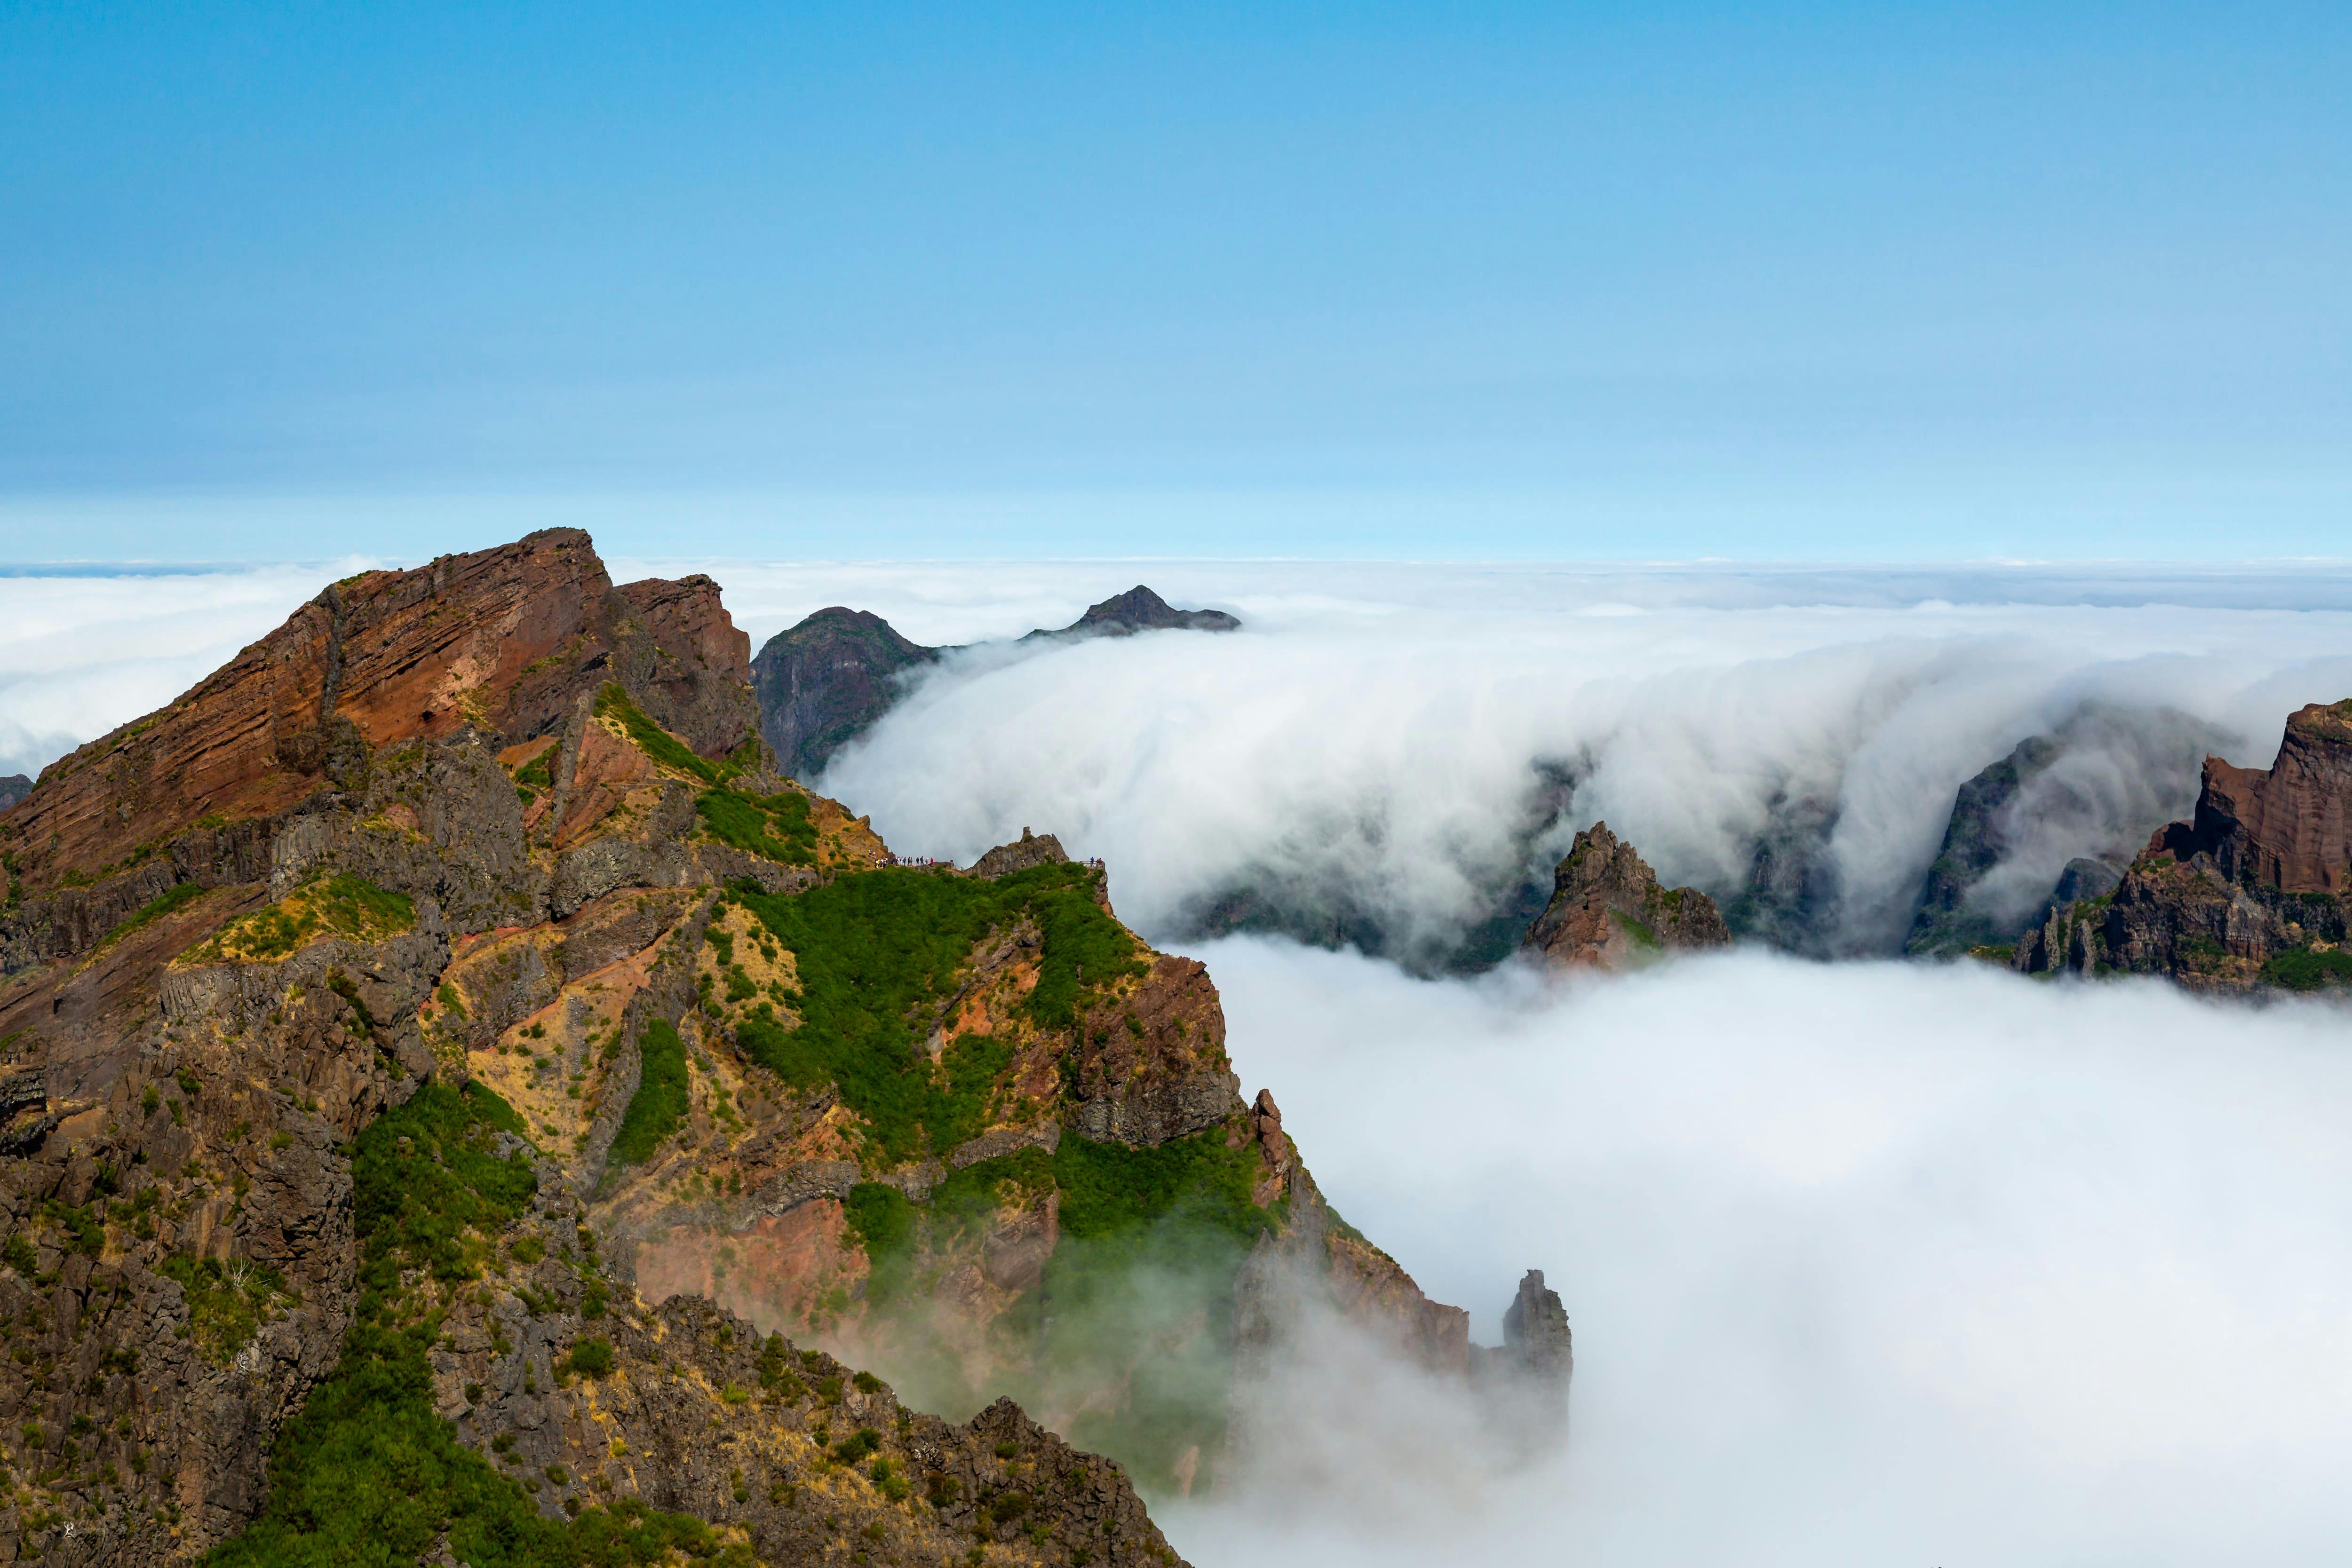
x: 1607, y: 910
x: 1974, y: 842
x: 824, y: 683
x: 1140, y: 610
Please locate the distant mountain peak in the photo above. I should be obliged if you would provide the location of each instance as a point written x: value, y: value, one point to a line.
x: 1140, y: 610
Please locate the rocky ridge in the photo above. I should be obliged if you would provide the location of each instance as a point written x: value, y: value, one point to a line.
x: 449, y: 1037
x: 2252, y: 892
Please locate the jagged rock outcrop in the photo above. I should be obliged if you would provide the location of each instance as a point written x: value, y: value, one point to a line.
x: 1608, y: 912
x: 828, y: 680
x: 1028, y: 850
x: 2253, y: 892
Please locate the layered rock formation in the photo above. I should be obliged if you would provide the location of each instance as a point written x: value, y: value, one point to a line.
x: 456, y: 1092
x: 2254, y: 891
x: 826, y: 681
x: 1608, y: 912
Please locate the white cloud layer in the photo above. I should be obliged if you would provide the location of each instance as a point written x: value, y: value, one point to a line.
x: 1372, y: 740
x: 80, y: 655
x: 1866, y: 1263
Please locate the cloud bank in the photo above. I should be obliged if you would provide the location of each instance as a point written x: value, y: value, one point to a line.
x: 1406, y: 752
x: 1866, y: 1264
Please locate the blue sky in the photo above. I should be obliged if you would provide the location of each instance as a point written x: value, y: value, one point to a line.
x: 1892, y: 283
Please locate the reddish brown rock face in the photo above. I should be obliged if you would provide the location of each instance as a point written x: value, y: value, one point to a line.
x: 1608, y: 912
x: 505, y: 640
x: 2288, y: 826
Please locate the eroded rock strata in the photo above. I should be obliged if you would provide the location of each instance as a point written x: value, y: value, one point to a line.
x: 2252, y: 892
x: 459, y: 1097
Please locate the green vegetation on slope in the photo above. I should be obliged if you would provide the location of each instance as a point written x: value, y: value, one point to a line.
x: 660, y: 1103
x: 773, y: 827
x: 2309, y: 969
x: 177, y: 896
x: 337, y: 906
x: 877, y: 951
x: 656, y: 742
x: 368, y: 1475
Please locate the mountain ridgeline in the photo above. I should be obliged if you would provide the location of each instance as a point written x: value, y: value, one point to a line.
x: 461, y: 1102
x: 829, y: 679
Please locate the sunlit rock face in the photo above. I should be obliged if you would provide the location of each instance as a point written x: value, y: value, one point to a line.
x: 1608, y: 912
x: 2251, y: 893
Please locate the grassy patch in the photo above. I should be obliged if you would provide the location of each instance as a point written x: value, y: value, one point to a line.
x: 1638, y: 932
x: 877, y: 951
x: 773, y: 827
x: 2306, y: 969
x: 337, y: 906
x: 656, y: 742
x: 368, y: 1474
x: 660, y: 1103
x: 178, y: 896
x: 227, y: 1301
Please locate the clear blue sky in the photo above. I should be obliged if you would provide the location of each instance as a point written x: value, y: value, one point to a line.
x: 1563, y: 281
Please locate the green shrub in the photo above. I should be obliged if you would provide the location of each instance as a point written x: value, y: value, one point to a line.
x: 2306, y: 969
x: 773, y: 827
x: 661, y: 1100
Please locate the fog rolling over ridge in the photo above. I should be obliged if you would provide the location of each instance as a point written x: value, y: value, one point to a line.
x: 1866, y: 1263
x: 1394, y: 761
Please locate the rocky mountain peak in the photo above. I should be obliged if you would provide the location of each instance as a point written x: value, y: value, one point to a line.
x: 1608, y: 912
x: 14, y: 787
x: 442, y: 1021
x: 1140, y: 610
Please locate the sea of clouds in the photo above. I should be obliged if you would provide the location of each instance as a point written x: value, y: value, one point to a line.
x: 1408, y: 745
x: 1868, y: 1262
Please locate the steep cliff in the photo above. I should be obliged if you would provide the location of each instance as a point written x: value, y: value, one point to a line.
x: 1608, y: 912
x: 460, y: 1100
x: 821, y: 684
x: 2253, y: 892
x: 824, y: 682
